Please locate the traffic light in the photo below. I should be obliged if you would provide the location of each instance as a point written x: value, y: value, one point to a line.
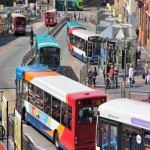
x: 90, y: 49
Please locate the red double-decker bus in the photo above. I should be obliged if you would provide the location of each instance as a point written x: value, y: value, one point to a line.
x: 50, y: 17
x: 62, y: 109
x: 18, y: 23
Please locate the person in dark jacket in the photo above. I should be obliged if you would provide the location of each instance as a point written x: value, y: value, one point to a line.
x: 94, y: 76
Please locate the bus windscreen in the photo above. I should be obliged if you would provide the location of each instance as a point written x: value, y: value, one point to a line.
x: 20, y: 21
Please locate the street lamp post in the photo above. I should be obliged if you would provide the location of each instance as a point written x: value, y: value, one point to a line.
x: 125, y: 49
x: 106, y: 65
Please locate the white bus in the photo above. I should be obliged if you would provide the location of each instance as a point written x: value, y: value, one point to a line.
x: 84, y: 44
x: 123, y: 124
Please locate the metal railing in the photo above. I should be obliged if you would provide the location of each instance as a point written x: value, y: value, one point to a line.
x: 135, y: 94
x: 29, y: 58
x: 83, y: 74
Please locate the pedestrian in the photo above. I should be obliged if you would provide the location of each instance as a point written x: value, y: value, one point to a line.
x: 94, y: 76
x: 146, y: 69
x: 90, y: 77
x: 131, y: 75
x: 111, y: 74
x: 139, y: 50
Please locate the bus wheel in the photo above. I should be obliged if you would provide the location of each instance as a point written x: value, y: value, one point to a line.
x: 56, y: 140
x: 24, y: 116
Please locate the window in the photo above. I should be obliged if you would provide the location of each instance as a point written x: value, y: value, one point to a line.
x: 98, y: 132
x: 148, y: 27
x: 47, y: 103
x: 64, y: 114
x: 146, y: 140
x: 56, y: 105
x: 113, y: 137
x: 69, y: 117
x: 129, y: 135
x: 25, y: 90
x: 31, y: 94
x: 104, y: 135
x: 39, y: 98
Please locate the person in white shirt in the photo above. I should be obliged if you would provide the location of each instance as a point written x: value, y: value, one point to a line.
x: 131, y: 75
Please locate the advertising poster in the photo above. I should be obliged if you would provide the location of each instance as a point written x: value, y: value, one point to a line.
x: 17, y: 130
x: 4, y: 113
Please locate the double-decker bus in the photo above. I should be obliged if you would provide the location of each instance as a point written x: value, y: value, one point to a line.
x: 84, y: 45
x: 73, y: 25
x: 62, y: 109
x: 48, y: 52
x: 50, y: 17
x: 123, y: 124
x: 72, y: 5
x: 18, y: 23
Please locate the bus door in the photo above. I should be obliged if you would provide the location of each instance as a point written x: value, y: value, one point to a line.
x: 108, y: 135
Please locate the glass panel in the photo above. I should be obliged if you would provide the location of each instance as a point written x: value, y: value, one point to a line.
x: 113, y: 137
x: 25, y: 90
x: 104, y: 136
x: 96, y: 48
x: 86, y: 115
x: 70, y: 117
x: 56, y: 105
x: 64, y: 114
x: 39, y: 98
x: 146, y: 140
x: 31, y: 94
x: 47, y: 103
x: 129, y: 135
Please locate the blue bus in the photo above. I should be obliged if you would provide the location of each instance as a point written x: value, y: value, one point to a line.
x: 48, y: 52
x: 73, y: 25
x: 72, y: 5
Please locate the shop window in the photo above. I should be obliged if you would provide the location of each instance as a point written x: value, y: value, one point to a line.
x: 39, y: 98
x: 129, y: 138
x: 64, y: 114
x: 47, y: 103
x: 148, y: 27
x: 56, y: 105
x: 31, y: 94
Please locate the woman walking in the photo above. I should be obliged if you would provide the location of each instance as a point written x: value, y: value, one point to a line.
x: 94, y: 76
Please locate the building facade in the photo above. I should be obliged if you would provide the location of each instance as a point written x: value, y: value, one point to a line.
x: 144, y: 24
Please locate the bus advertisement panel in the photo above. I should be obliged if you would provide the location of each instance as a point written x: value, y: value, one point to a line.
x: 62, y: 109
x: 18, y: 130
x: 4, y: 112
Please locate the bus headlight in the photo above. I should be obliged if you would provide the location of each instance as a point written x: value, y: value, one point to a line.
x: 80, y: 112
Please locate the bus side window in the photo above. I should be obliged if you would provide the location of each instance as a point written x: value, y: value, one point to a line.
x: 47, y: 103
x: 64, y: 114
x: 25, y: 90
x: 31, y: 93
x: 39, y: 98
x: 70, y: 117
x: 56, y: 105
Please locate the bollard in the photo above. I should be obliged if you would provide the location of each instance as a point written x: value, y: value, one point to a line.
x: 128, y: 95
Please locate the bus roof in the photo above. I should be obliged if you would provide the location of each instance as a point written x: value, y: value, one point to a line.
x: 17, y: 15
x: 45, y: 40
x: 55, y: 83
x: 51, y: 10
x: 74, y: 24
x: 84, y: 34
x: 21, y: 70
x: 127, y: 111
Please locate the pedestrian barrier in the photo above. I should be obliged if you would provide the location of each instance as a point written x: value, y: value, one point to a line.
x: 29, y: 58
x: 135, y: 94
x: 83, y: 74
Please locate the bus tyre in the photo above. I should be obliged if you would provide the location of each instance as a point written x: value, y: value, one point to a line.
x: 56, y: 140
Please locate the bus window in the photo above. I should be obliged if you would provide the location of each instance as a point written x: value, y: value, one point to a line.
x: 86, y: 115
x: 31, y: 93
x: 113, y: 137
x: 129, y: 135
x: 96, y: 48
x: 39, y: 98
x: 25, y: 90
x: 64, y: 114
x: 104, y: 135
x: 56, y: 105
x: 70, y: 117
x: 146, y: 140
x: 20, y: 21
x: 47, y: 103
